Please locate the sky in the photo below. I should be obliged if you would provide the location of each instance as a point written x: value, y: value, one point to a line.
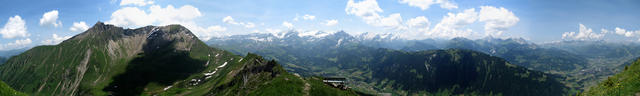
x: 28, y: 23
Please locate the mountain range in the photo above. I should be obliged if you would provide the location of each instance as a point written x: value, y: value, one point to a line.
x: 152, y: 60
x: 579, y: 64
x: 170, y: 60
x: 340, y: 54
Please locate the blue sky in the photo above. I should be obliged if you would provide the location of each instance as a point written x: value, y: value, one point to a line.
x: 24, y: 23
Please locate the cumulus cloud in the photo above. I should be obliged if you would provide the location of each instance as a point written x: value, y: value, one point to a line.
x: 308, y: 17
x: 55, y: 39
x: 269, y: 30
x: 626, y: 33
x: 50, y: 19
x: 136, y: 2
x: 21, y: 43
x: 209, y: 32
x: 79, y: 26
x: 331, y: 22
x: 425, y: 4
x: 451, y: 25
x: 15, y: 27
x: 230, y: 20
x: 369, y: 11
x: 171, y: 15
x: 604, y: 31
x: 497, y: 20
x: 135, y: 17
x: 583, y: 33
x: 419, y: 21
x: 287, y: 24
x: 304, y: 17
x: 130, y: 16
x: 184, y: 15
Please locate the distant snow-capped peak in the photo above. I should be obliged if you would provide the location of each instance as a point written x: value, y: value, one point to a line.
x: 377, y: 36
x: 314, y: 33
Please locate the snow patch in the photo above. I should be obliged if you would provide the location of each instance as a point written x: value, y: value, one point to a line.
x: 224, y: 64
x: 339, y: 42
x: 279, y: 35
x: 315, y: 34
x: 167, y: 88
x: 209, y: 74
x: 153, y: 31
x: 258, y: 39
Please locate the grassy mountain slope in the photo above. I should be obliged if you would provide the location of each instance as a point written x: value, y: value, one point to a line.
x: 6, y: 90
x: 164, y: 60
x: 524, y: 54
x: 460, y: 72
x: 411, y: 73
x: 2, y: 60
x: 625, y: 83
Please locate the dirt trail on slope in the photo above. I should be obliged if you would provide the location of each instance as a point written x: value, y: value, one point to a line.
x: 307, y: 86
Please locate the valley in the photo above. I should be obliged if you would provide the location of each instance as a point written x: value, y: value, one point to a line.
x: 337, y: 54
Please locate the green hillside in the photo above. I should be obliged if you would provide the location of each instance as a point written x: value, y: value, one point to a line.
x: 434, y: 72
x: 6, y: 90
x: 152, y: 60
x: 459, y: 72
x: 625, y: 83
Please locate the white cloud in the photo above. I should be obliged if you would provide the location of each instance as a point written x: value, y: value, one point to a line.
x: 136, y: 2
x: 583, y: 33
x: 394, y: 21
x: 171, y: 15
x: 211, y: 31
x: 50, y: 19
x: 16, y: 44
x: 627, y: 33
x: 230, y: 20
x: 331, y: 22
x: 79, y: 26
x: 249, y: 25
x: 304, y: 17
x: 135, y: 17
x: 287, y: 24
x: 55, y: 39
x: 184, y: 15
x: 604, y: 31
x: 269, y: 30
x: 451, y: 25
x: 368, y: 10
x: 308, y: 17
x: 497, y: 20
x: 419, y: 21
x: 15, y: 27
x: 131, y: 17
x: 425, y: 4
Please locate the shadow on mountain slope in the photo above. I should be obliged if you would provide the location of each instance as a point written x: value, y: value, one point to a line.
x: 162, y: 67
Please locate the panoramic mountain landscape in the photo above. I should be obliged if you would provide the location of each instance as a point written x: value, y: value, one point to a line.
x: 320, y: 48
